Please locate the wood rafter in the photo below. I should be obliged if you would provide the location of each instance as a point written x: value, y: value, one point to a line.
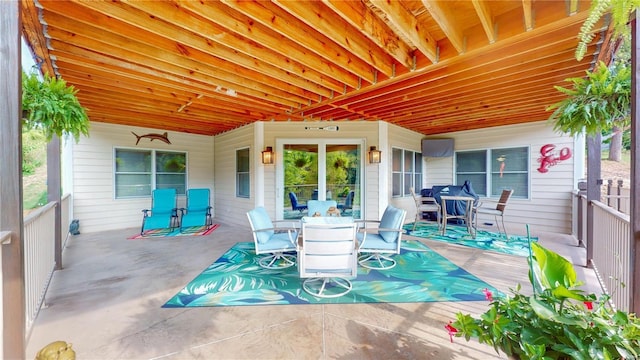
x: 207, y: 67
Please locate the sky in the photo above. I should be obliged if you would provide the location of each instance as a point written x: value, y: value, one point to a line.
x: 27, y: 59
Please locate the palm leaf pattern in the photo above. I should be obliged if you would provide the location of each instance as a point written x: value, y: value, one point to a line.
x: 484, y: 240
x: 421, y: 275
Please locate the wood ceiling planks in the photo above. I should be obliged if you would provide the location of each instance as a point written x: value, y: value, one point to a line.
x: 207, y: 67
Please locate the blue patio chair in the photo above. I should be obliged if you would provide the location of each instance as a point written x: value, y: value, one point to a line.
x: 276, y: 241
x: 380, y: 239
x: 198, y: 210
x: 294, y: 202
x: 320, y: 207
x: 348, y: 202
x: 163, y: 213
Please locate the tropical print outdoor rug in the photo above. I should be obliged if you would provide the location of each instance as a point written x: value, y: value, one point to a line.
x: 421, y: 275
x: 188, y: 231
x: 485, y: 240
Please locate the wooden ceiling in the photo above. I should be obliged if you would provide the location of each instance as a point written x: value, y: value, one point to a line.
x: 207, y: 67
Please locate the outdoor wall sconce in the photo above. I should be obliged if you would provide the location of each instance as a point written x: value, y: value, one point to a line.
x: 267, y: 155
x: 374, y: 155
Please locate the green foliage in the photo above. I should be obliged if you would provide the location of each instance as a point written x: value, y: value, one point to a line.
x: 620, y: 12
x: 595, y: 103
x: 556, y: 322
x: 33, y: 151
x: 300, y: 167
x: 52, y: 107
x: 34, y: 196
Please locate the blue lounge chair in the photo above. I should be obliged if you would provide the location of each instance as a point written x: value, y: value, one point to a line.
x: 294, y: 202
x: 163, y: 213
x: 348, y: 202
x: 198, y: 210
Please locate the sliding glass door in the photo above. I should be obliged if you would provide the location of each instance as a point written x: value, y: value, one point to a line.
x: 319, y: 170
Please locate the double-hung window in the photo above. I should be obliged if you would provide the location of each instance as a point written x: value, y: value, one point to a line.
x: 407, y: 171
x: 138, y: 172
x: 492, y: 170
x: 243, y: 175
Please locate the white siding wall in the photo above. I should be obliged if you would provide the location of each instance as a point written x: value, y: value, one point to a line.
x: 549, y: 206
x: 94, y: 202
x: 229, y: 208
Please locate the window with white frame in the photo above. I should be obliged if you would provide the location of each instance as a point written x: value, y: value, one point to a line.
x: 406, y: 171
x: 137, y: 172
x: 493, y: 170
x: 243, y: 176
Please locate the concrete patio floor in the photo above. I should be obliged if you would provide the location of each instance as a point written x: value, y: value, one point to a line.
x: 107, y: 301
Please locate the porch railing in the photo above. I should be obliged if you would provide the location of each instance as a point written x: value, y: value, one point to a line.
x: 39, y: 255
x: 611, y: 247
x: 612, y: 254
x: 615, y: 195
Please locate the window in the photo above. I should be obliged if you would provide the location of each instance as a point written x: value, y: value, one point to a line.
x: 407, y: 171
x: 490, y: 171
x: 243, y: 180
x: 137, y: 172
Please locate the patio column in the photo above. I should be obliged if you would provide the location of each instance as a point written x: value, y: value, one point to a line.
x: 634, y: 202
x: 594, y: 151
x: 54, y: 185
x: 11, y: 219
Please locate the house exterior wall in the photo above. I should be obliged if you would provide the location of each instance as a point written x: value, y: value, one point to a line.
x: 548, y: 207
x: 93, y: 174
x: 230, y: 208
x: 212, y: 160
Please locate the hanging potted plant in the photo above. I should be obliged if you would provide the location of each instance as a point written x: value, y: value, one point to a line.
x: 51, y: 105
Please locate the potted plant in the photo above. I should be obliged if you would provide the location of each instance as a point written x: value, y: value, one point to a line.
x: 558, y: 321
x: 51, y: 105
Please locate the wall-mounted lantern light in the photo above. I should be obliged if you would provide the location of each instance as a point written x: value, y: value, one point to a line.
x: 267, y: 155
x: 374, y: 155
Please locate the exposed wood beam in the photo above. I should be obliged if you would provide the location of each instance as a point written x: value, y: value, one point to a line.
x: 484, y: 13
x: 478, y: 59
x: 573, y: 7
x: 264, y: 37
x: 161, y: 65
x: 528, y: 14
x: 409, y: 26
x: 187, y: 32
x: 146, y: 53
x: 361, y: 17
x: 360, y: 49
x: 444, y: 15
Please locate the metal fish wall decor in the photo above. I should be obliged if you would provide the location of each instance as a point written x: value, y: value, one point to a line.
x: 162, y: 137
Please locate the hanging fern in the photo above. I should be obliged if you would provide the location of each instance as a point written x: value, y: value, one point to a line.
x: 597, y: 102
x: 620, y: 12
x: 51, y: 106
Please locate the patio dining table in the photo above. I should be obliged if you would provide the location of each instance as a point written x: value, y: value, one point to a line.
x: 467, y: 217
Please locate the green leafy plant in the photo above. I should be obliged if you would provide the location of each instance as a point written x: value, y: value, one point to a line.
x: 595, y: 103
x: 620, y: 11
x: 559, y: 321
x: 51, y: 106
